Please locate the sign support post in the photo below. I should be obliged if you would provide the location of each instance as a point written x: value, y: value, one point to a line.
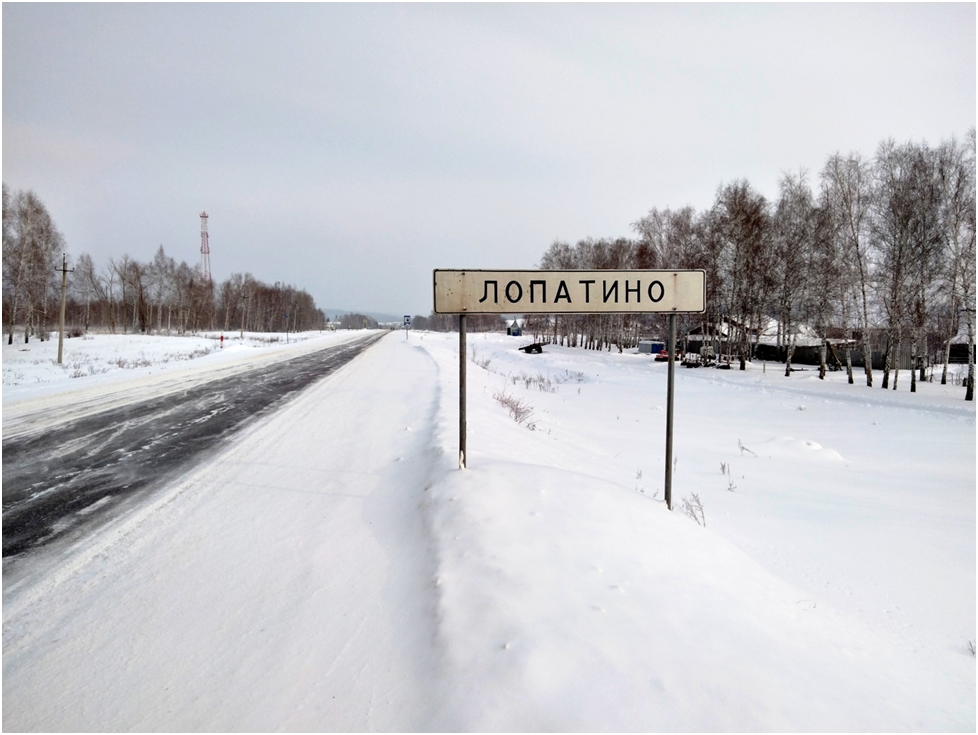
x: 461, y: 391
x: 670, y: 395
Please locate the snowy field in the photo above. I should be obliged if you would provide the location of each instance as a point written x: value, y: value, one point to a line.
x: 31, y: 369
x: 334, y: 570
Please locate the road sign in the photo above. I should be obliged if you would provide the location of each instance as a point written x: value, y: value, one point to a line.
x: 569, y: 292
x: 407, y: 320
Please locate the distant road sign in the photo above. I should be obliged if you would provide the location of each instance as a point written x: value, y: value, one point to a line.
x: 407, y: 320
x: 569, y: 292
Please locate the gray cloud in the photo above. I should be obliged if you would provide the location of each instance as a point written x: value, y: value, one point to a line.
x: 350, y: 149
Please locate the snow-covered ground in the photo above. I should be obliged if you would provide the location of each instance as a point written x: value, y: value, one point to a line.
x: 334, y: 570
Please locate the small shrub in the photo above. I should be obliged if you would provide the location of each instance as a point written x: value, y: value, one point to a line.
x: 726, y: 469
x: 543, y: 383
x: 136, y: 362
x: 483, y: 362
x: 693, y: 507
x: 568, y: 377
x: 519, y: 410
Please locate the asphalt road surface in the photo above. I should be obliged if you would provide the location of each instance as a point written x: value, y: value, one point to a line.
x: 64, y: 480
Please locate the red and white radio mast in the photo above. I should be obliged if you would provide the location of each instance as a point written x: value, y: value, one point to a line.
x: 205, y: 250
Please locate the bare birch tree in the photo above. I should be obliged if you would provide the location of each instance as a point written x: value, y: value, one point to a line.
x: 847, y: 184
x: 744, y: 225
x: 966, y: 277
x: 792, y: 231
x: 955, y: 174
x: 30, y: 251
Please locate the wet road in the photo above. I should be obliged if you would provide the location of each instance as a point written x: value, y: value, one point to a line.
x: 62, y: 481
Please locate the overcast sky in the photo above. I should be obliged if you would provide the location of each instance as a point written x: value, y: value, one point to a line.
x: 351, y: 149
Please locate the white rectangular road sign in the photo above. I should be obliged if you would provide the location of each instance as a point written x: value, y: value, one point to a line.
x: 570, y: 292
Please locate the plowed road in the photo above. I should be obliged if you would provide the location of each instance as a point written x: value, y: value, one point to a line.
x: 61, y: 480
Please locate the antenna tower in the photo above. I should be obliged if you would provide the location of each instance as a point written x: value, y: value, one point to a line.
x: 205, y: 250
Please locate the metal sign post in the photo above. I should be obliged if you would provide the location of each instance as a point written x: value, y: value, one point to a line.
x: 673, y: 292
x: 670, y: 393
x: 461, y: 392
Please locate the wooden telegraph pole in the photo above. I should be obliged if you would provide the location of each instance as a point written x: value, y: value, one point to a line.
x: 64, y: 298
x: 244, y: 316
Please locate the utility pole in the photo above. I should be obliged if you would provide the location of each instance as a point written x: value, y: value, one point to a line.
x: 244, y: 314
x: 64, y: 298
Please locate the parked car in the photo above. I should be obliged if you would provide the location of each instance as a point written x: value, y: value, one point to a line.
x: 664, y: 356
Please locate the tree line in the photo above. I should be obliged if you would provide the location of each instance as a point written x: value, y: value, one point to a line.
x: 126, y: 295
x: 878, y: 253
x: 449, y: 323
